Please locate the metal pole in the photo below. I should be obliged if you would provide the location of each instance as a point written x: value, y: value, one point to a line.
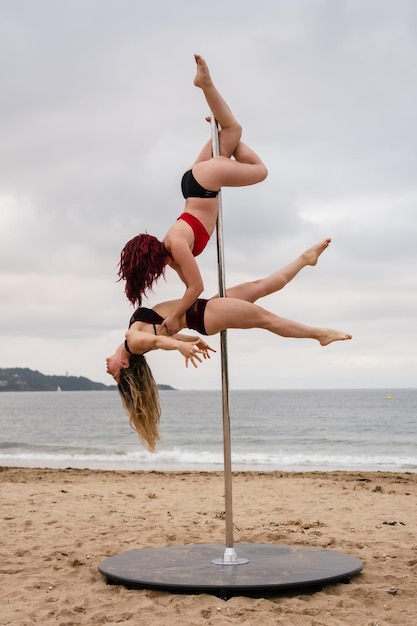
x: 229, y: 557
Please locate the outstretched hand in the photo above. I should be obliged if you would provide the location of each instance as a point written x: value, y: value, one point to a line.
x: 195, y: 352
x: 204, y: 347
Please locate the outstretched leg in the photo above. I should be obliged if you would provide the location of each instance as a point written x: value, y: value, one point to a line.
x: 252, y: 291
x: 224, y: 313
x: 230, y: 129
x: 289, y: 328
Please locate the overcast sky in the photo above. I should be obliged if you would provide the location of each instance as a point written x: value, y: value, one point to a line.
x: 98, y: 120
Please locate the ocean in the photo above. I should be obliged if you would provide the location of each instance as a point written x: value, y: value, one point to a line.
x: 297, y: 430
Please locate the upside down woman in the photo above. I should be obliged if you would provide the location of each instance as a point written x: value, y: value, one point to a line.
x: 128, y: 366
x: 144, y: 258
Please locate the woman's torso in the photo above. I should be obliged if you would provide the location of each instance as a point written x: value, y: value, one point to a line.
x: 205, y: 210
x: 163, y: 310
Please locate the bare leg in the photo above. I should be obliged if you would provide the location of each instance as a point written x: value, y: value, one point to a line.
x: 288, y: 328
x: 213, y: 173
x: 231, y: 130
x: 252, y: 291
x: 224, y: 313
x: 245, y: 154
x: 245, y: 169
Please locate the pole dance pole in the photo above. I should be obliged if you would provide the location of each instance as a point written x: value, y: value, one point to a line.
x: 229, y: 556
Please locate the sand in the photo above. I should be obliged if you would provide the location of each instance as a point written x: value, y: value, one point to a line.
x: 57, y: 526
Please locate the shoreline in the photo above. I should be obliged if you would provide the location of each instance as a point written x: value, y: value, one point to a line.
x: 175, y: 466
x: 58, y: 525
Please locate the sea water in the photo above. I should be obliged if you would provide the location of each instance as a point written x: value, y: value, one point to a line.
x: 297, y: 430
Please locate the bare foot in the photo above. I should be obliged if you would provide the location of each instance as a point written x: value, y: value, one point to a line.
x: 327, y: 335
x: 202, y: 78
x: 312, y: 254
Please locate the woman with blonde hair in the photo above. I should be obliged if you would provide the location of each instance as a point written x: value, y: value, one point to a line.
x: 128, y: 366
x: 144, y: 258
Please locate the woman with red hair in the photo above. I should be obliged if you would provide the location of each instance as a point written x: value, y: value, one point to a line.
x: 144, y: 258
x: 128, y: 366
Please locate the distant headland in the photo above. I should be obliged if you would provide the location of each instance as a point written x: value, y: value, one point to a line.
x: 25, y: 379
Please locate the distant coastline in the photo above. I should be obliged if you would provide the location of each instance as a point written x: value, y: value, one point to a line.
x: 25, y: 379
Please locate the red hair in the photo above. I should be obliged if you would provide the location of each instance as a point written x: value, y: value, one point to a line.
x: 142, y: 262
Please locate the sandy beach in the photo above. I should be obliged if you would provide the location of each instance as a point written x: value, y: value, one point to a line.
x: 57, y: 526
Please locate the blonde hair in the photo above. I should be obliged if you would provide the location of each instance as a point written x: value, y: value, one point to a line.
x: 140, y: 400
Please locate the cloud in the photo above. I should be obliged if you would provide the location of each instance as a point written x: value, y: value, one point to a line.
x: 98, y: 120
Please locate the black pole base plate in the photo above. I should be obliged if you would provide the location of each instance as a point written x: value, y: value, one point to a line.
x: 271, y: 569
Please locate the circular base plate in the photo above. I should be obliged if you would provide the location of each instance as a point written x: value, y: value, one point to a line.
x: 189, y: 569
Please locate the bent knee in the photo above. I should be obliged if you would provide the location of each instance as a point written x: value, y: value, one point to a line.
x: 229, y: 139
x: 234, y: 130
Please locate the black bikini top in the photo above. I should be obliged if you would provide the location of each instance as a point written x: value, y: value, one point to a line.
x: 147, y: 316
